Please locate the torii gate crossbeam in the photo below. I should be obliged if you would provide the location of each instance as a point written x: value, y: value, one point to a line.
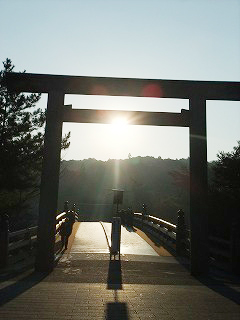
x: 57, y: 86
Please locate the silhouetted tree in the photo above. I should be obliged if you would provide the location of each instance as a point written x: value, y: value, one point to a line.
x: 224, y: 195
x: 227, y: 173
x: 21, y: 143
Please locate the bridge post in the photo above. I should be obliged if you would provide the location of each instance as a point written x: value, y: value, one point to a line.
x: 198, y: 187
x: 4, y: 240
x: 181, y: 233
x: 235, y: 247
x: 66, y: 206
x: 49, y: 183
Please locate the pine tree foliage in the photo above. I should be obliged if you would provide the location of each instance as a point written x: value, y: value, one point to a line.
x: 21, y: 138
x: 227, y: 172
x: 224, y: 192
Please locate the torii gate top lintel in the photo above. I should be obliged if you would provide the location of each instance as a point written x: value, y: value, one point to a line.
x: 182, y: 89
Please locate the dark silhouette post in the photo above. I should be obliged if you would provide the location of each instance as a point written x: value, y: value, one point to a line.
x: 130, y: 215
x: 181, y: 233
x: 66, y: 206
x: 198, y: 187
x: 4, y: 240
x: 235, y: 247
x: 49, y: 183
x: 74, y: 208
x: 117, y: 197
x: 144, y: 210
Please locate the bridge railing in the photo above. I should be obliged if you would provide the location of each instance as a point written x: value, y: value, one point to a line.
x: 224, y: 253
x: 173, y: 236
x: 17, y: 245
x: 60, y: 218
x: 20, y: 243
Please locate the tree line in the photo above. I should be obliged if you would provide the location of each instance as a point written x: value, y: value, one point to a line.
x: 145, y: 180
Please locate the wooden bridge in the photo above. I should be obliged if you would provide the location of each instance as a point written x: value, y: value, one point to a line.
x: 224, y: 253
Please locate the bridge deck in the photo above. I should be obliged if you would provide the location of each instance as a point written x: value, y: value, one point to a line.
x: 142, y: 285
x: 96, y: 238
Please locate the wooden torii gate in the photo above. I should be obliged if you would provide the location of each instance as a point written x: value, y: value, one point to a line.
x: 56, y: 86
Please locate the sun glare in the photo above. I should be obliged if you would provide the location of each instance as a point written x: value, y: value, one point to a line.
x: 119, y: 124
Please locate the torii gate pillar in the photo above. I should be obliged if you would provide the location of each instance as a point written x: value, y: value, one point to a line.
x: 198, y: 187
x: 49, y: 183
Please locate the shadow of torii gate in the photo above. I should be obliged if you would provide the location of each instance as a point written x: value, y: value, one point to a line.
x: 57, y: 86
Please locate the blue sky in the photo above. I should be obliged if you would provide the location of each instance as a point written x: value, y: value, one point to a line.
x: 159, y: 39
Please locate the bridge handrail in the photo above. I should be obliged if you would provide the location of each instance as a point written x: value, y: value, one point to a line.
x: 22, y: 231
x: 166, y: 231
x: 177, y: 238
x: 25, y: 238
x: 60, y: 215
x: 167, y: 224
x: 60, y: 218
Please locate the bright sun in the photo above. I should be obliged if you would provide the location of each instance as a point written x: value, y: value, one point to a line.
x: 119, y: 125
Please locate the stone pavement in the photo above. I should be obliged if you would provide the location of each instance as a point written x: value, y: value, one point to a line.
x: 90, y: 286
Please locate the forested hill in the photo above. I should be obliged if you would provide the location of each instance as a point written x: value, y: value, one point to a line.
x: 162, y: 184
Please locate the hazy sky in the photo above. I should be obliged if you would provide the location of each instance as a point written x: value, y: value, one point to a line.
x: 158, y: 39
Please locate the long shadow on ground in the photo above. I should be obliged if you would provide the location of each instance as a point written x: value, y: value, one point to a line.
x: 114, y: 280
x: 13, y: 290
x: 115, y: 310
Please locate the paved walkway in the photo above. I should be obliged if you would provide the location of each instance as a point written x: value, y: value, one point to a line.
x: 86, y: 285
